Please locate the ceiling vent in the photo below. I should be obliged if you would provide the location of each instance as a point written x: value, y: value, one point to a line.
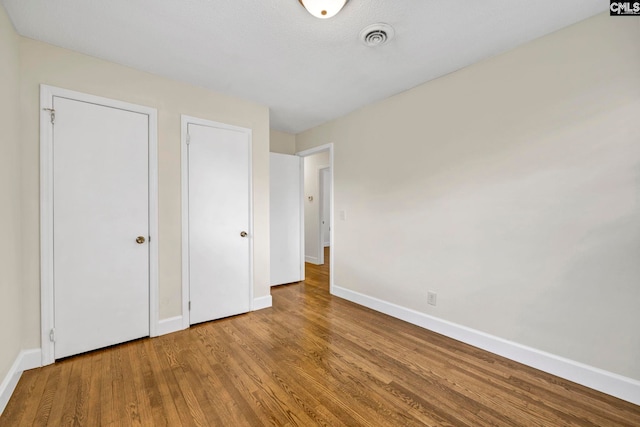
x: 376, y: 34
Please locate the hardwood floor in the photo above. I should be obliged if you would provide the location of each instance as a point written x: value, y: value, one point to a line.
x: 311, y: 359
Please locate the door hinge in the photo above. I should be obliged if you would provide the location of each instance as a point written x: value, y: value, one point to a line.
x: 189, y: 305
x: 188, y: 139
x: 52, y: 335
x: 52, y: 112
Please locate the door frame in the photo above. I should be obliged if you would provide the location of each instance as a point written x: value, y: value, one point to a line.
x: 47, y: 319
x: 305, y: 153
x: 184, y: 167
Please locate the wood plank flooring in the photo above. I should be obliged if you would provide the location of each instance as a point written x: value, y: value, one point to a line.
x: 311, y: 359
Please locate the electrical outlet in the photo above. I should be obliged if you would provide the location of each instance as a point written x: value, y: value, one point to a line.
x: 432, y: 298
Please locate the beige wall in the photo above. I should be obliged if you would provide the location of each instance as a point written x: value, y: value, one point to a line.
x: 512, y: 189
x: 282, y: 142
x: 10, y: 248
x: 312, y: 165
x: 43, y: 63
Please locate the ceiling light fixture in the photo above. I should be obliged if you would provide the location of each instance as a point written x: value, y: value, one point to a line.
x: 323, y: 9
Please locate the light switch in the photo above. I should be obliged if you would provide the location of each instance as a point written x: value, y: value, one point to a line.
x: 343, y: 215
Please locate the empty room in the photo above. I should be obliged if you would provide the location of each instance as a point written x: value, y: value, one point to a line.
x: 319, y: 212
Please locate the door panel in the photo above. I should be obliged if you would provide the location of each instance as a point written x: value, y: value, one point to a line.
x: 285, y: 203
x: 325, y: 215
x: 100, y: 185
x: 219, y: 257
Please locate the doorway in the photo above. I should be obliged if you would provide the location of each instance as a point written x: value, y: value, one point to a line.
x: 315, y: 161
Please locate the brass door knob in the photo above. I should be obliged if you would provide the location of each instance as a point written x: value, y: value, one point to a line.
x: 140, y: 240
x: 243, y: 234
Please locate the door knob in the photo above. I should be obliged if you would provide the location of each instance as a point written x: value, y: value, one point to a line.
x: 140, y: 240
x: 243, y: 234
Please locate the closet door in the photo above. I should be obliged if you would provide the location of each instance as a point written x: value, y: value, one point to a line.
x: 219, y: 232
x: 100, y: 226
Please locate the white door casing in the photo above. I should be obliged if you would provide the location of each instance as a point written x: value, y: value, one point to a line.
x: 98, y: 186
x: 285, y: 200
x: 218, y: 214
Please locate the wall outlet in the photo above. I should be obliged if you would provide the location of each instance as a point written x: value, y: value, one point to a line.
x: 432, y: 298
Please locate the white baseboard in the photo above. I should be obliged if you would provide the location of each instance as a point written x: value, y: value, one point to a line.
x: 27, y: 359
x: 262, y: 302
x: 312, y: 260
x: 169, y: 325
x: 30, y: 359
x: 598, y: 379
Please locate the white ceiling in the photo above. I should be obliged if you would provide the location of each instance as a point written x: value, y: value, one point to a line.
x: 307, y: 70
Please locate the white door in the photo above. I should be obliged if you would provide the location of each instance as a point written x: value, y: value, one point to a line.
x: 219, y: 222
x: 100, y: 207
x: 285, y: 218
x: 325, y: 216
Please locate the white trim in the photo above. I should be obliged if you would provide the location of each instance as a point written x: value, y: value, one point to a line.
x: 261, y: 302
x: 311, y: 152
x: 9, y: 384
x: 46, y: 226
x: 315, y: 150
x: 312, y: 259
x: 30, y: 359
x: 154, y: 267
x: 46, y: 208
x: 170, y: 325
x: 332, y: 222
x: 184, y: 166
x: 302, y: 241
x: 184, y: 194
x: 26, y: 359
x: 606, y: 382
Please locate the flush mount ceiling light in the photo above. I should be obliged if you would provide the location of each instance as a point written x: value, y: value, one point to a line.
x: 323, y: 9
